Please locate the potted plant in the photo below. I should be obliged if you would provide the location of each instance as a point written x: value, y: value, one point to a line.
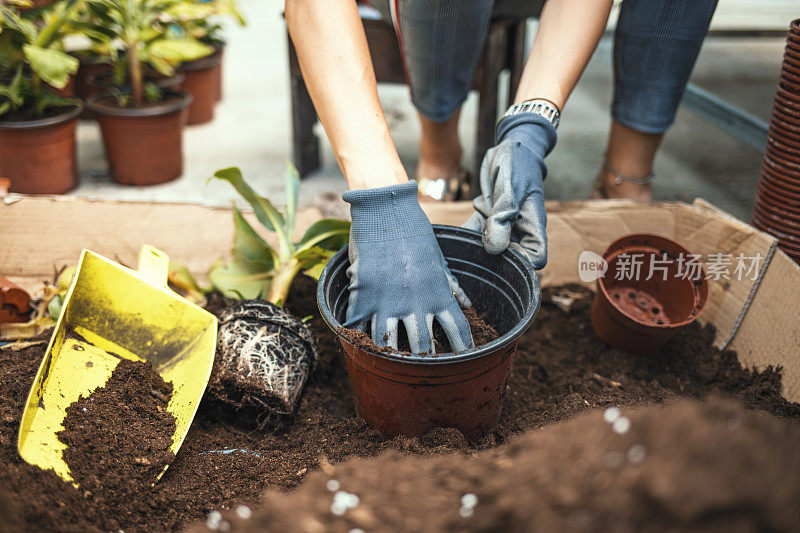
x: 142, y: 125
x: 203, y: 79
x: 264, y: 353
x: 37, y: 126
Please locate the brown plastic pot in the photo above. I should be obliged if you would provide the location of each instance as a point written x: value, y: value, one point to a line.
x: 218, y: 75
x: 89, y: 67
x: 639, y: 315
x: 144, y: 145
x: 15, y: 303
x: 409, y: 395
x: 38, y: 156
x: 202, y: 82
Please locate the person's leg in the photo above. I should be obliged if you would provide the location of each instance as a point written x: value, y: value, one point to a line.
x: 655, y: 47
x: 441, y: 43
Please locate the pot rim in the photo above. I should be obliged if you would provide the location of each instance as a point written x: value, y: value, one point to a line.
x: 161, y: 108
x: 501, y: 342
x: 55, y: 120
x: 700, y: 303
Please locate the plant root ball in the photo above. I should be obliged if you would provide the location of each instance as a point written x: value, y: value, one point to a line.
x: 264, y: 357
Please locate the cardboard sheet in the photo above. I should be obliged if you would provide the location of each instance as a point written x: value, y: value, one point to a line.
x: 41, y: 234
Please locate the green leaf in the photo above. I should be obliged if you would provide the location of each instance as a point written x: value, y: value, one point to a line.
x: 54, y: 307
x: 179, y: 276
x: 52, y: 66
x: 328, y: 233
x: 249, y: 244
x: 48, y: 99
x: 5, y: 107
x: 179, y: 50
x: 292, y: 192
x: 314, y: 260
x: 265, y: 212
x: 240, y: 279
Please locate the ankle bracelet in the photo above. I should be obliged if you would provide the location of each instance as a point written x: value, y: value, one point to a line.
x: 619, y: 178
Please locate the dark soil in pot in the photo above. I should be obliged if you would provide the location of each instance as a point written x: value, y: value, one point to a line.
x: 105, y: 80
x: 144, y: 145
x: 482, y: 333
x: 38, y: 155
x: 560, y: 372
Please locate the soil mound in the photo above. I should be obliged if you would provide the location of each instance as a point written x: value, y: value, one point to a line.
x: 560, y: 371
x: 685, y: 467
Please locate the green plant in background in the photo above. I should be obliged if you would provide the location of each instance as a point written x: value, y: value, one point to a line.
x: 260, y: 271
x: 199, y: 19
x: 32, y: 52
x: 141, y: 28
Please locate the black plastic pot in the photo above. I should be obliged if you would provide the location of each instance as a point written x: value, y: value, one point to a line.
x: 409, y: 395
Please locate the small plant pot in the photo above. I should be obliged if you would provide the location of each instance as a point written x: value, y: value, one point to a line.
x: 409, y: 395
x: 144, y: 145
x: 39, y: 155
x: 15, y: 303
x: 639, y: 315
x: 202, y: 82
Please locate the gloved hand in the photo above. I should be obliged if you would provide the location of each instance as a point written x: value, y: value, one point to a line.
x: 398, y: 273
x: 511, y: 206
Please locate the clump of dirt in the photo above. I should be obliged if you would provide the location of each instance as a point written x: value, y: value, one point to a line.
x: 709, y: 466
x: 560, y: 371
x: 482, y: 333
x: 118, y: 437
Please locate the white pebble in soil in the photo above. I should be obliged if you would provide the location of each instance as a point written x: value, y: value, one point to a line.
x: 333, y: 485
x: 213, y: 520
x: 468, y: 503
x: 243, y: 512
x: 356, y: 530
x: 621, y: 425
x: 611, y: 414
x: 344, y: 501
x: 636, y: 453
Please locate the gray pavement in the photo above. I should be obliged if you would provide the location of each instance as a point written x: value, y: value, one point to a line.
x: 252, y: 126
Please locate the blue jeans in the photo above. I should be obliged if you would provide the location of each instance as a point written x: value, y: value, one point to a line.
x: 655, y: 47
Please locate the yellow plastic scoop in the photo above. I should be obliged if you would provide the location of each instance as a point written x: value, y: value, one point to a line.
x: 112, y: 313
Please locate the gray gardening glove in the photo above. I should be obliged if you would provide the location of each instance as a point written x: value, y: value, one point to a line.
x: 398, y: 273
x: 511, y: 206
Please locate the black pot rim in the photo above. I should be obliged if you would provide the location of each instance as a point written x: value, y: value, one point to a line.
x: 163, y: 108
x: 446, y: 358
x: 55, y: 120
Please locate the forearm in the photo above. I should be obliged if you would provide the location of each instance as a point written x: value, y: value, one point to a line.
x: 334, y: 58
x: 568, y: 33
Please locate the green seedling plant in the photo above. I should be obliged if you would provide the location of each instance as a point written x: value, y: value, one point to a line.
x: 261, y: 271
x: 200, y: 19
x: 141, y: 27
x: 33, y: 51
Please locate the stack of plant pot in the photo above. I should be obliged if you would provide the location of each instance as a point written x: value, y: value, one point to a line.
x: 777, y: 208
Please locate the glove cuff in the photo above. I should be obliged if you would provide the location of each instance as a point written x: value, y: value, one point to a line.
x: 386, y: 213
x: 532, y: 129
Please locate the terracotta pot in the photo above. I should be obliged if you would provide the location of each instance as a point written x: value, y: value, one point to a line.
x: 15, y: 303
x: 144, y: 146
x: 399, y: 395
x: 39, y: 155
x: 639, y: 315
x: 202, y: 82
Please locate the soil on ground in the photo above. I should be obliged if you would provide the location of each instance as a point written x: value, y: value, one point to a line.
x: 561, y: 370
x: 710, y: 466
x: 482, y: 333
x: 118, y: 437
